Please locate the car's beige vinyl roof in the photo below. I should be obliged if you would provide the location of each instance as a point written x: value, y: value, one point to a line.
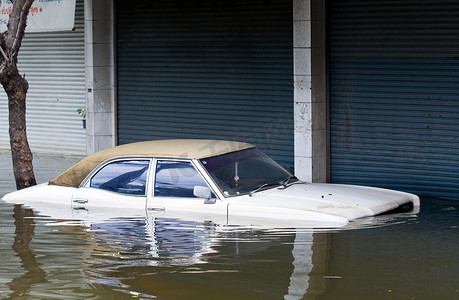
x: 184, y: 148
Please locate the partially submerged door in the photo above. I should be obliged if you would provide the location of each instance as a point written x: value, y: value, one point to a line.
x: 117, y: 188
x: 180, y: 191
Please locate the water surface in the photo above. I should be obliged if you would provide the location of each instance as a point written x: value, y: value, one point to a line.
x: 388, y: 257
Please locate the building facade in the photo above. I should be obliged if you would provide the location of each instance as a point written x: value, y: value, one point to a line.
x: 361, y: 92
x: 234, y: 70
x: 372, y: 97
x: 53, y: 63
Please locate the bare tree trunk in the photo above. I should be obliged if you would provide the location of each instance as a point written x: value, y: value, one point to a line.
x: 16, y: 89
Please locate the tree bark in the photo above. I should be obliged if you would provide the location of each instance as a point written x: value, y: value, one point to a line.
x: 16, y: 89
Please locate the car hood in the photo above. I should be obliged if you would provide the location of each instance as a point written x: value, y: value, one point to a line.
x: 347, y: 201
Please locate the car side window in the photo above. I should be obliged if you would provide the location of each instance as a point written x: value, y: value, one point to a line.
x: 126, y: 177
x: 177, y: 179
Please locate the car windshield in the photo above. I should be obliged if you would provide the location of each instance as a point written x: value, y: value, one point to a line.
x: 245, y: 171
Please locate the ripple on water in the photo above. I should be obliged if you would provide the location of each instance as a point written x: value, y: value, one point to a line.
x: 164, y: 257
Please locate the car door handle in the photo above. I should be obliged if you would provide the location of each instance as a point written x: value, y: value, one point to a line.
x: 81, y: 201
x: 157, y: 208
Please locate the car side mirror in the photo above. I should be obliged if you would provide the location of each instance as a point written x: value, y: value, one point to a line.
x: 202, y: 192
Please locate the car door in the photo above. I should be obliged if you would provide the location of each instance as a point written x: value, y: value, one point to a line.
x: 119, y: 187
x: 179, y: 190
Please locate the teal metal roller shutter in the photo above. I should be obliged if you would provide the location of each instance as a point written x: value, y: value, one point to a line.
x: 394, y: 95
x: 206, y: 69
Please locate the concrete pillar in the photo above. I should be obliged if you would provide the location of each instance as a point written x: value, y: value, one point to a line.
x: 310, y: 105
x: 100, y: 76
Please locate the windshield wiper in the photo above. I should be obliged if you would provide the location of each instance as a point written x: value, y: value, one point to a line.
x: 286, y: 181
x: 264, y: 185
x: 285, y: 184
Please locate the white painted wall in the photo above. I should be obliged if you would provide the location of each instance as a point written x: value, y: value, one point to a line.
x: 310, y: 107
x: 100, y: 75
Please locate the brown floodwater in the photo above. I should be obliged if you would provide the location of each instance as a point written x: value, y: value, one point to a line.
x: 411, y: 256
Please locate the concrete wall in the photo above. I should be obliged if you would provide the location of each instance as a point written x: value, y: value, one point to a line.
x: 310, y: 105
x: 100, y: 75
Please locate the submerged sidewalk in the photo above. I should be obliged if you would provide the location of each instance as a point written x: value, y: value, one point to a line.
x: 46, y: 167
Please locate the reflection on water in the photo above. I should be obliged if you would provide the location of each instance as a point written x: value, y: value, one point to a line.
x: 171, y: 258
x: 392, y: 256
x: 25, y: 226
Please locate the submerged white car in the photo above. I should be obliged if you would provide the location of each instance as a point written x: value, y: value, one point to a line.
x: 228, y: 182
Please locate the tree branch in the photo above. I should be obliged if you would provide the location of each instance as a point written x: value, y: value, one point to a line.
x: 13, y: 36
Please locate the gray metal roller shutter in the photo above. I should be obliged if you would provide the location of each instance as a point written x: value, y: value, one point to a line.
x: 54, y: 65
x: 206, y: 69
x: 394, y: 95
